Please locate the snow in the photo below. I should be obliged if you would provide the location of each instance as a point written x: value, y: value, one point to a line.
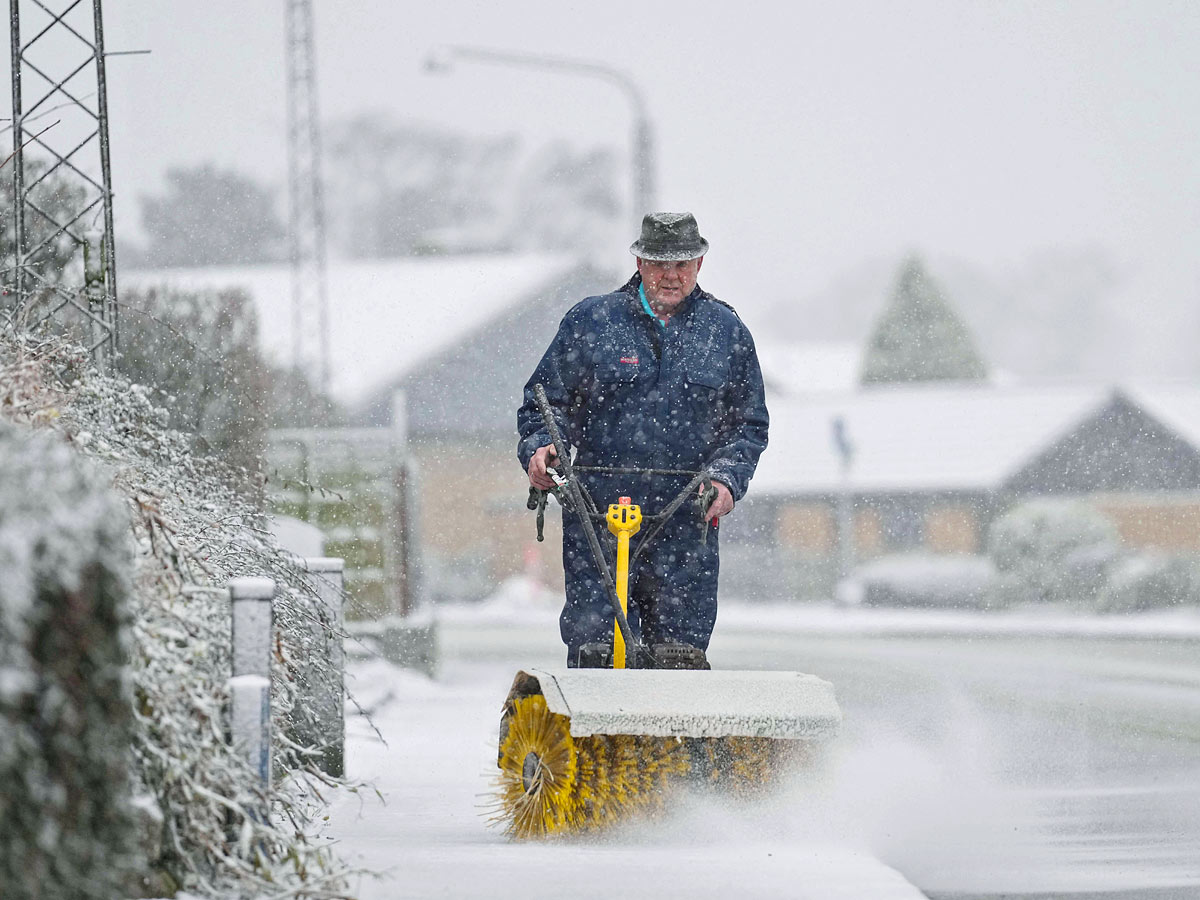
x: 517, y: 598
x: 251, y: 587
x: 943, y: 436
x: 695, y: 704
x: 1175, y: 405
x: 54, y: 522
x: 428, y: 835
x: 298, y: 537
x: 919, y: 579
x: 322, y: 564
x: 386, y: 316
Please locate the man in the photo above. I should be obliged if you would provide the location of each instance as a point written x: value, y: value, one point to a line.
x: 657, y: 375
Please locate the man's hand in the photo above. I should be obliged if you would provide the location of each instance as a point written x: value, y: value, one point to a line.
x: 723, y: 505
x: 546, y: 456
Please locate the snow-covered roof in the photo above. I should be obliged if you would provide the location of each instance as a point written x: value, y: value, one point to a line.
x: 386, y: 316
x: 1176, y: 405
x: 808, y: 367
x: 956, y: 437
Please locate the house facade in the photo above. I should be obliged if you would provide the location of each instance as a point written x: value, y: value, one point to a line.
x: 932, y: 465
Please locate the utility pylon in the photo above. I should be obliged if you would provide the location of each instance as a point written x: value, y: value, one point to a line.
x: 306, y: 201
x: 62, y: 260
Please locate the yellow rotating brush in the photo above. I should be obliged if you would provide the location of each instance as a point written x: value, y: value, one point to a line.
x: 552, y: 783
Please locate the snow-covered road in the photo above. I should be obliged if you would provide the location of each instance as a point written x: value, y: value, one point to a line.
x: 968, y: 767
x: 431, y: 839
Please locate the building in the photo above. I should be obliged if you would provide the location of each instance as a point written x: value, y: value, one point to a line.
x: 933, y: 464
x: 425, y: 500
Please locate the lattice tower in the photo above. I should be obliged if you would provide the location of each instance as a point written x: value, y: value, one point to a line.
x: 59, y: 261
x: 306, y: 212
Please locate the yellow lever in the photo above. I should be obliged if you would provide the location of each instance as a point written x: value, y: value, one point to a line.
x: 624, y: 519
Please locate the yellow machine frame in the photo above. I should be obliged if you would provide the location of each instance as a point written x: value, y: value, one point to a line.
x: 624, y: 519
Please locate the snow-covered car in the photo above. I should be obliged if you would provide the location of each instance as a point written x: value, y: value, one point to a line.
x: 919, y: 579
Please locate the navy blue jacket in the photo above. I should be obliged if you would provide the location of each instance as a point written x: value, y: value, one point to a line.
x: 627, y: 392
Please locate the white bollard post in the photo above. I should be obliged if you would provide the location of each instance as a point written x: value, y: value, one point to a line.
x: 250, y: 684
x: 250, y: 721
x: 328, y: 700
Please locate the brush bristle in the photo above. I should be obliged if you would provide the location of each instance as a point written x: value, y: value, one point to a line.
x: 551, y: 783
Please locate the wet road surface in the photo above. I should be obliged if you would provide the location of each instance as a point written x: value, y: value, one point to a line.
x: 1012, y: 766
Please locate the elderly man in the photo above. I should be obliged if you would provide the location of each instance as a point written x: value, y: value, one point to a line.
x: 657, y: 375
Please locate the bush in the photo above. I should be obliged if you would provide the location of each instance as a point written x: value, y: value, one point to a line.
x: 190, y: 531
x: 66, y: 722
x: 1050, y: 551
x: 199, y: 351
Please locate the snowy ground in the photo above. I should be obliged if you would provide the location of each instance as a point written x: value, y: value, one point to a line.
x: 982, y: 756
x: 431, y: 838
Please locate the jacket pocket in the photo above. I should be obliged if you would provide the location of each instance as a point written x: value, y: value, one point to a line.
x: 614, y: 384
x: 703, y: 388
x: 706, y: 378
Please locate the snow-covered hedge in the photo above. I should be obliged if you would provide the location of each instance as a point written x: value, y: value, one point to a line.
x: 190, y: 531
x: 66, y: 720
x: 1049, y: 551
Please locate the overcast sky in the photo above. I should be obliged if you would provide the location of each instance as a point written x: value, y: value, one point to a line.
x: 806, y: 137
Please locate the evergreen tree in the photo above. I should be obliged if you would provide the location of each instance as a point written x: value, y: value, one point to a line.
x: 920, y: 337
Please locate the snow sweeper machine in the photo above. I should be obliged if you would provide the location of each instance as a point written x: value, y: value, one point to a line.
x: 584, y: 748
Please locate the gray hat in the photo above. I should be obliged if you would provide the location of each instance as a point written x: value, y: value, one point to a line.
x: 669, y: 237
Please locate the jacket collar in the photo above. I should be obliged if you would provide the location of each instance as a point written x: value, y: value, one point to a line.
x: 631, y: 288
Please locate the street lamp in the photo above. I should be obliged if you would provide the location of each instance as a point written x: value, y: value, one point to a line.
x: 845, y: 513
x: 443, y: 58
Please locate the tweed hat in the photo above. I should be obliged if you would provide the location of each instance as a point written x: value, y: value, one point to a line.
x: 669, y: 237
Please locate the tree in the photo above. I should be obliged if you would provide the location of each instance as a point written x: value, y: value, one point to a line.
x: 296, y: 402
x: 566, y: 200
x: 395, y: 186
x: 920, y: 337
x: 199, y: 350
x: 60, y: 198
x: 399, y: 188
x: 211, y: 216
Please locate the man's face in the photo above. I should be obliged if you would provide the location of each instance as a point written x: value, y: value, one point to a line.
x: 667, y: 283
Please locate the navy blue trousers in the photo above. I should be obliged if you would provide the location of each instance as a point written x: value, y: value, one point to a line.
x: 672, y: 586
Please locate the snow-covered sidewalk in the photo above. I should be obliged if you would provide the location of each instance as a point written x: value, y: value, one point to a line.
x: 429, y: 838
x: 520, y: 600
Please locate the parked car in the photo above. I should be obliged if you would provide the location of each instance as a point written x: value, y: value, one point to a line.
x: 921, y: 580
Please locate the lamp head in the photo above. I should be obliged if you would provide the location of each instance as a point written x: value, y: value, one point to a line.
x: 439, y: 61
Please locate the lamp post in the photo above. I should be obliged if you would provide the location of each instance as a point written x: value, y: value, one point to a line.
x: 642, y: 160
x: 845, y: 502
